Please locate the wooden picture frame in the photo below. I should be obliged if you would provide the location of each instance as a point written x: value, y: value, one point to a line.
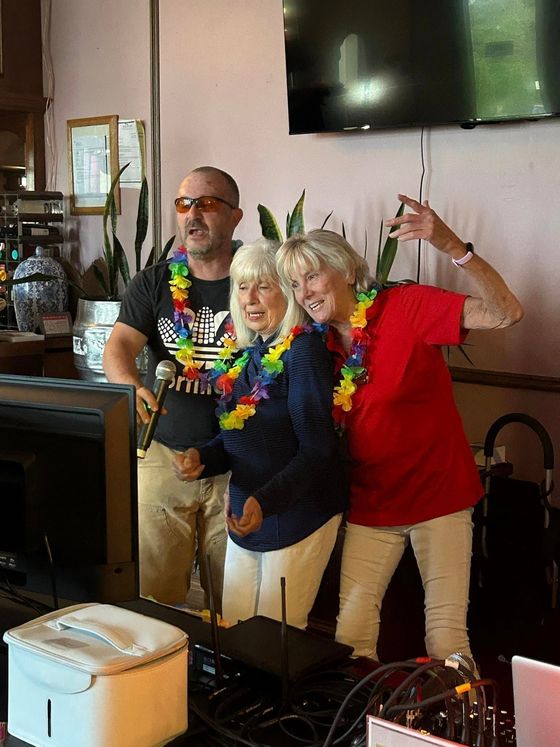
x: 93, y: 163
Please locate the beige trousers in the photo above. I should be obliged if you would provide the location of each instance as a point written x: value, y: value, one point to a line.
x: 370, y: 556
x: 178, y: 522
x: 252, y: 579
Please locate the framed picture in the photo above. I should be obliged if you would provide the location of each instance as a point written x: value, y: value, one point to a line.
x: 55, y: 324
x: 93, y: 163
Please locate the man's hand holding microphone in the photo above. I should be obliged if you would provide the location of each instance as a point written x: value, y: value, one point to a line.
x: 150, y: 405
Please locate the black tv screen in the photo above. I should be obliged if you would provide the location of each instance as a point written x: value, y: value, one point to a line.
x: 372, y: 64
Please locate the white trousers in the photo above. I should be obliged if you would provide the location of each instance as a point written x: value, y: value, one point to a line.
x: 252, y: 579
x: 370, y: 556
x: 178, y: 521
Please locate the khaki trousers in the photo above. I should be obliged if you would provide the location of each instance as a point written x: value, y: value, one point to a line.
x: 370, y: 556
x: 178, y: 522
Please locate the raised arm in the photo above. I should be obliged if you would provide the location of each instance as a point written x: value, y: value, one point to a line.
x: 495, y: 306
x: 119, y: 363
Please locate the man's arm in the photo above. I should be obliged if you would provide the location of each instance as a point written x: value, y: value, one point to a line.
x: 119, y: 363
x: 496, y: 306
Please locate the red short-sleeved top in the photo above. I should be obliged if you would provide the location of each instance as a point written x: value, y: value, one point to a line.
x: 410, y: 459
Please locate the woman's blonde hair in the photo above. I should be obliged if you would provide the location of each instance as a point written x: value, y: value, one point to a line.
x: 322, y: 247
x: 256, y: 262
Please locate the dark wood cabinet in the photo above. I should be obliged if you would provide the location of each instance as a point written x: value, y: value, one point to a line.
x: 52, y: 357
x: 22, y: 104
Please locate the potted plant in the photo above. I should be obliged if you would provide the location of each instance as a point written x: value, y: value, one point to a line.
x: 96, y: 315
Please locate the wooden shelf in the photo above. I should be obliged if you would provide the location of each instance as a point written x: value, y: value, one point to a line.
x: 505, y: 380
x: 39, y: 217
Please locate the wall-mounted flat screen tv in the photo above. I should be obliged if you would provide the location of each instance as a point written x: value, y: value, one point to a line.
x: 368, y: 64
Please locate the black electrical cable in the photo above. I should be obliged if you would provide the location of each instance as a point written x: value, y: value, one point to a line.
x: 8, y: 591
x: 280, y: 721
x: 376, y: 691
x: 409, y: 681
x: 418, y: 704
x: 221, y: 729
x: 245, y: 695
x: 394, y: 666
x: 451, y: 692
x: 319, y: 696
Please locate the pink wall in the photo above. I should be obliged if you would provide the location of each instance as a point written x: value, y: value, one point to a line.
x: 223, y: 102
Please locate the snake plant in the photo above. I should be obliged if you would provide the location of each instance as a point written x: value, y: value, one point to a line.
x: 295, y: 224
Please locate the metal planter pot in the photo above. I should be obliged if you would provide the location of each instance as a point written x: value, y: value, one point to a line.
x: 93, y: 325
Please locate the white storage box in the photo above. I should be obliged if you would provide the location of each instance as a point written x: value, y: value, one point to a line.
x: 95, y: 675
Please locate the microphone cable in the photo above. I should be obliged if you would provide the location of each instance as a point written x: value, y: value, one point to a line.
x: 364, y: 681
x: 453, y: 692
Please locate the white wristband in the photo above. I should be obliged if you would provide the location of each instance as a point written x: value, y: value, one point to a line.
x: 463, y: 261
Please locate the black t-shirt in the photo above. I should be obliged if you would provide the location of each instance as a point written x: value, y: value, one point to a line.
x: 148, y: 307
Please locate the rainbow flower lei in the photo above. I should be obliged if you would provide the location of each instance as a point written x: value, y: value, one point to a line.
x: 271, y: 365
x: 352, y: 367
x: 227, y: 367
x: 180, y: 284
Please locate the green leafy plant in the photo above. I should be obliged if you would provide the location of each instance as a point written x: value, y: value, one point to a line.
x: 294, y: 221
x: 386, y: 255
x: 295, y: 224
x: 116, y: 262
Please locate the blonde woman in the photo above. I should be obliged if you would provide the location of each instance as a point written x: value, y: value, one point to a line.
x: 286, y: 491
x: 412, y: 476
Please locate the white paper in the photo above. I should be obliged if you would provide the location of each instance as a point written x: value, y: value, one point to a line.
x: 132, y: 151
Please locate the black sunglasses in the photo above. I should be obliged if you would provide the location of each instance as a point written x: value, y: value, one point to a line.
x: 206, y: 204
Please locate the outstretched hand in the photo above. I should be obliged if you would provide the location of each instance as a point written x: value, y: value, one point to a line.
x: 250, y: 521
x: 425, y: 223
x: 187, y: 466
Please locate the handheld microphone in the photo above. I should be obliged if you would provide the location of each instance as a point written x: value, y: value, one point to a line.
x: 165, y: 373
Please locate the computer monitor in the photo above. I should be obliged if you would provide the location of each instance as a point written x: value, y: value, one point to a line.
x: 68, y: 488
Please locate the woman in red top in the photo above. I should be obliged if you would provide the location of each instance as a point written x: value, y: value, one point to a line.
x: 412, y: 475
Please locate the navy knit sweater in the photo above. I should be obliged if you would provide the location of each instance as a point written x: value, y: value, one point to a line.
x: 287, y: 453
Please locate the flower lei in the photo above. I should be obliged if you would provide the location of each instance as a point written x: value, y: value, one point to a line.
x: 224, y: 377
x: 352, y: 367
x: 228, y: 367
x: 180, y: 285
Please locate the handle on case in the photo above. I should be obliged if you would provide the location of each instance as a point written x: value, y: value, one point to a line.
x: 548, y: 459
x: 519, y: 417
x: 538, y: 428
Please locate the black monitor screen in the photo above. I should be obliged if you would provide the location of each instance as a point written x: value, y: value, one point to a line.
x: 68, y: 497
x: 367, y: 64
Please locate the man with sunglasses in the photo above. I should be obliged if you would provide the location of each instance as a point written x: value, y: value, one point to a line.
x: 179, y: 520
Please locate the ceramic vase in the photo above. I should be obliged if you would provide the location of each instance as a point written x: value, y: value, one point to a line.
x: 38, y: 297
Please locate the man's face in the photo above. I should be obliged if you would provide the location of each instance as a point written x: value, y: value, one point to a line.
x: 206, y: 234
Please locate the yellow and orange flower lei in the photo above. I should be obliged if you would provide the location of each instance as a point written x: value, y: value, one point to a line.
x: 352, y: 367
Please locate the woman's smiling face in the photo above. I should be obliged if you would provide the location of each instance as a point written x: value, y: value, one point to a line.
x: 263, y: 304
x: 326, y: 294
